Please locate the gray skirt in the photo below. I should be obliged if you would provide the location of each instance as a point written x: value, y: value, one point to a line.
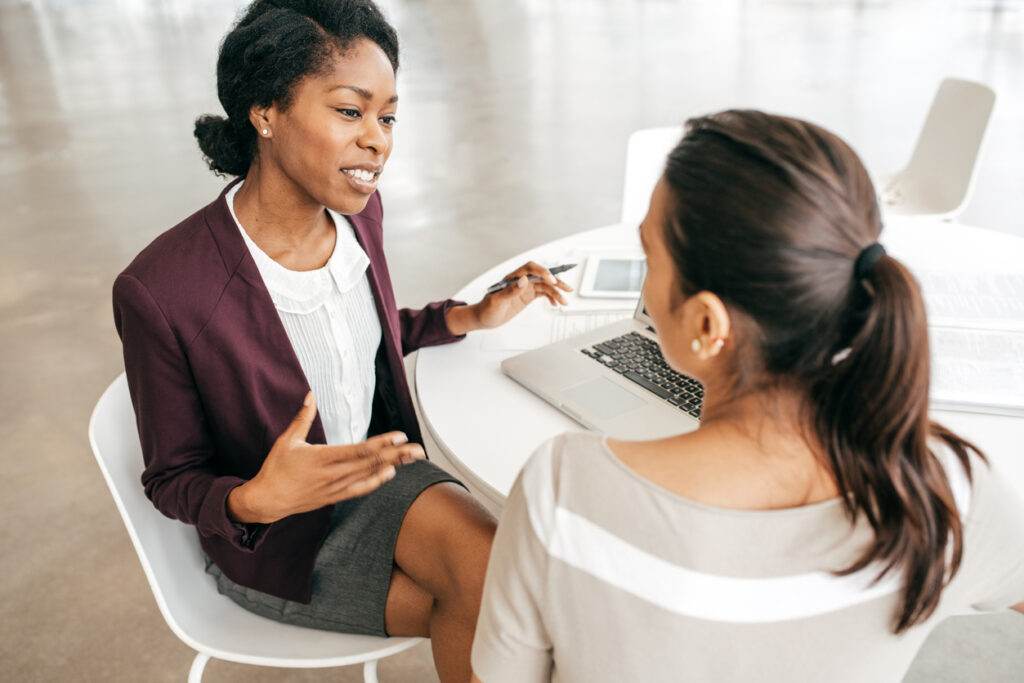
x: 352, y: 571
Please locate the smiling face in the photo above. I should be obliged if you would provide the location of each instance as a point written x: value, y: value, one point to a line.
x: 331, y: 142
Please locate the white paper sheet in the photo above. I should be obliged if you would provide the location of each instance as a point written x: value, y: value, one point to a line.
x: 981, y: 370
x: 992, y: 301
x: 541, y: 326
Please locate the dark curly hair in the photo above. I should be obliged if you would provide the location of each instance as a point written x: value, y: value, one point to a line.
x: 272, y: 47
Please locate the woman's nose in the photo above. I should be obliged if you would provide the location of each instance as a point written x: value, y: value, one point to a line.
x: 372, y: 136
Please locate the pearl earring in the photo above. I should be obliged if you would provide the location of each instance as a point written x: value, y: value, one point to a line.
x: 695, y: 346
x: 265, y: 131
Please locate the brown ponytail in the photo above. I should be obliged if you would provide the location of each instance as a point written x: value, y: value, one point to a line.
x: 872, y: 422
x: 770, y: 214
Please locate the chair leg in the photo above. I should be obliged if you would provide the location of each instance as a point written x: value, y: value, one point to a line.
x: 195, y: 674
x: 370, y: 671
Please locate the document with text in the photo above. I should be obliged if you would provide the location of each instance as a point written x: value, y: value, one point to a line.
x: 976, y: 331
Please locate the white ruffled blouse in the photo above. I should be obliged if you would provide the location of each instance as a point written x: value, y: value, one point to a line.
x: 331, y: 320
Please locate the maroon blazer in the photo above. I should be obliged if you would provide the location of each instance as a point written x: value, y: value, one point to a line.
x: 214, y: 380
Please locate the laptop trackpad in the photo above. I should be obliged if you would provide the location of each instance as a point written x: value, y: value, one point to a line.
x: 603, y: 398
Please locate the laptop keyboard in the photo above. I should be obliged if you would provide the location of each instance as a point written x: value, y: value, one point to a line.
x: 639, y: 359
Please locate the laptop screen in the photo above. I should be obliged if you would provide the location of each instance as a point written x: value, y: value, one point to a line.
x: 641, y: 313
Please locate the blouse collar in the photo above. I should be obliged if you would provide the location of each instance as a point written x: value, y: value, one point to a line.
x: 346, y: 265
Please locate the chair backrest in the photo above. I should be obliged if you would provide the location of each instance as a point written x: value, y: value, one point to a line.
x: 939, y: 178
x: 646, y: 153
x: 168, y: 550
x: 172, y: 559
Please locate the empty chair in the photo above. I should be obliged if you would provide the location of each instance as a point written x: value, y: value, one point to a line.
x: 175, y: 568
x: 646, y: 152
x: 939, y: 179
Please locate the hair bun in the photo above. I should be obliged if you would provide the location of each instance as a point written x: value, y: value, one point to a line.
x: 227, y: 148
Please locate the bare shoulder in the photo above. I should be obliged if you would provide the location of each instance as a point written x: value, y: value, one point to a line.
x: 718, y: 470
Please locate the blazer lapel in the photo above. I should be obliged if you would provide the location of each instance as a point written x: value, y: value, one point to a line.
x: 385, y: 312
x: 239, y: 264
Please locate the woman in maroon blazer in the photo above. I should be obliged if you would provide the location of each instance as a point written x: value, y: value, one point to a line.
x: 361, y: 535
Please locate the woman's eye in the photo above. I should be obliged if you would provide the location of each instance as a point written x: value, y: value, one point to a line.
x: 388, y: 119
x: 350, y: 113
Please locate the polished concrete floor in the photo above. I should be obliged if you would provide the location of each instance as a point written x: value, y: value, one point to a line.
x: 512, y: 130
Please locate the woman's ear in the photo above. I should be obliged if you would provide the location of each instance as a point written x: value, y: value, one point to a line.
x: 712, y: 324
x: 261, y: 119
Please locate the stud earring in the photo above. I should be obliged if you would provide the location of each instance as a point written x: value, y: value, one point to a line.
x: 695, y: 346
x: 719, y: 342
x: 265, y: 131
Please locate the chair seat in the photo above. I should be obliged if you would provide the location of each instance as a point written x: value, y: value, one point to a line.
x: 226, y: 631
x: 916, y: 197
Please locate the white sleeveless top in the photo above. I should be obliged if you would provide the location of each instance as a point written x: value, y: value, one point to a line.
x: 331, y: 321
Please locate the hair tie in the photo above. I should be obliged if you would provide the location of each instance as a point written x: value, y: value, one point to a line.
x: 865, y: 262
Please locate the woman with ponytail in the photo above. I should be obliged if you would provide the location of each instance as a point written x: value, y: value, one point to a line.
x: 263, y: 350
x: 817, y: 525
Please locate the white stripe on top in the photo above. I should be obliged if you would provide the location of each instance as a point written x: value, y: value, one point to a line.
x: 583, y: 544
x: 586, y: 546
x: 597, y: 574
x: 331, y: 320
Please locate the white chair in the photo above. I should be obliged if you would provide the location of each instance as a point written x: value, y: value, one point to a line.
x: 646, y: 153
x: 187, y: 597
x: 939, y: 179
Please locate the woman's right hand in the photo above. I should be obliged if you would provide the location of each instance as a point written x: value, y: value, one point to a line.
x: 298, y: 476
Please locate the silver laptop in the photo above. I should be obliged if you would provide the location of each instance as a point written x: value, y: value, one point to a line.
x: 613, y: 379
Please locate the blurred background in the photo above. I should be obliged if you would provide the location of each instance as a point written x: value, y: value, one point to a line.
x: 512, y: 130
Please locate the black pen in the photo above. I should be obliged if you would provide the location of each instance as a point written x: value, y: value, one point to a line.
x: 498, y: 286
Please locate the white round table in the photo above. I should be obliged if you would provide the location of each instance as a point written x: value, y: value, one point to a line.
x: 488, y: 425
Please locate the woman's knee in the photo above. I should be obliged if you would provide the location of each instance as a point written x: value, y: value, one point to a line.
x: 445, y: 542
x: 468, y: 548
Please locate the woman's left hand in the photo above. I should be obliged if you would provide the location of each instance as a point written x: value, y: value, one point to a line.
x: 498, y: 308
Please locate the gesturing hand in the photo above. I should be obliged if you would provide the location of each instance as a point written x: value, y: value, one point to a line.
x: 298, y: 476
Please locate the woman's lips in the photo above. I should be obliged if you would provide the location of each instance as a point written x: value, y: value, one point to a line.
x: 363, y: 179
